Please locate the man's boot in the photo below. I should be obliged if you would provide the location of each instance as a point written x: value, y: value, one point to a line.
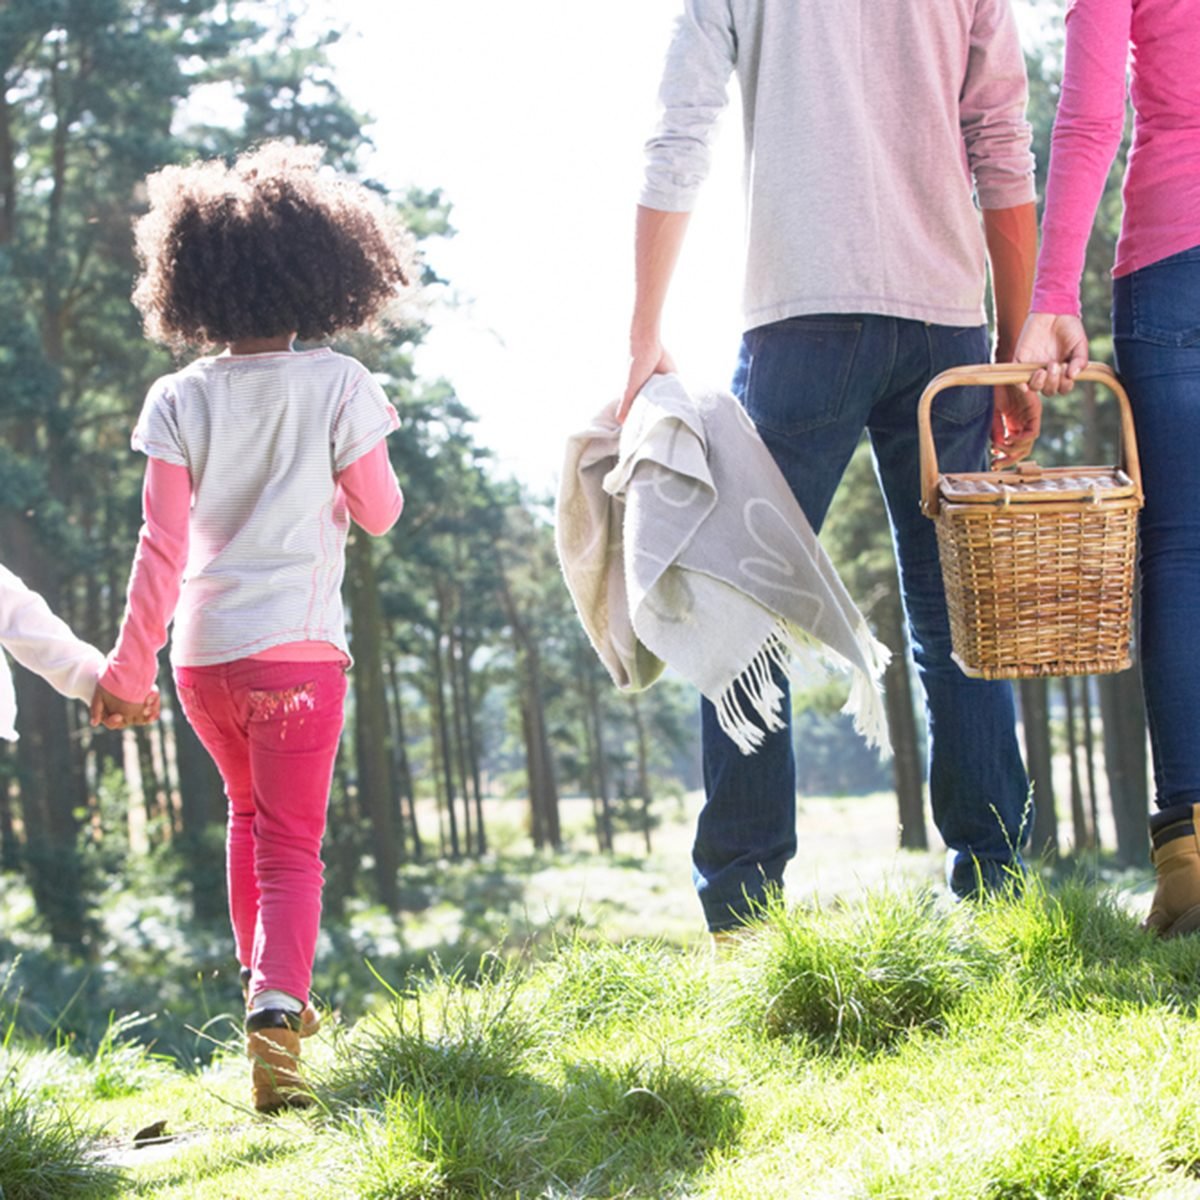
x: 1175, y: 852
x: 273, y: 1047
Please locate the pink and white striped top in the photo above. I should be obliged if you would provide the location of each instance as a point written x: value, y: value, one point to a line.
x: 264, y: 439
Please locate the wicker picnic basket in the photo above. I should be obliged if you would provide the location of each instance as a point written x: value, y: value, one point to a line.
x: 1037, y: 563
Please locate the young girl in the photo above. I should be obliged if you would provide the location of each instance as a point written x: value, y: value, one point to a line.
x: 39, y: 640
x: 257, y: 459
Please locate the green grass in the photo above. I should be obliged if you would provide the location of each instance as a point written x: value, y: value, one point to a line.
x: 895, y: 1047
x: 892, y: 1045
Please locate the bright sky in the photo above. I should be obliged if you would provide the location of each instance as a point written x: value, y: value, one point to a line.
x: 531, y: 115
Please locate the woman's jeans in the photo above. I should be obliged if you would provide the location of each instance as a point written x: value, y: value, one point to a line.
x: 812, y: 385
x: 1156, y: 328
x: 272, y: 728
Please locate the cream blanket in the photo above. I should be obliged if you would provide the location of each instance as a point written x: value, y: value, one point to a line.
x: 683, y: 546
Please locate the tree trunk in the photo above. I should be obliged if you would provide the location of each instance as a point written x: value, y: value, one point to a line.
x: 151, y: 787
x: 406, y: 806
x: 1123, y: 719
x: 459, y: 754
x: 472, y: 740
x: 443, y: 742
x: 1035, y: 717
x: 907, y: 774
x: 202, y: 807
x: 52, y: 789
x: 1080, y: 832
x: 370, y: 724
x: 643, y: 768
x: 1089, y: 757
x: 8, y: 173
x: 599, y: 756
x: 543, y: 790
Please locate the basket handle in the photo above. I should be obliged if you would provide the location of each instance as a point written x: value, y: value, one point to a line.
x: 1002, y: 374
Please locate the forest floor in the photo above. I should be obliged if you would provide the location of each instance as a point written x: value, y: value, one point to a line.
x: 847, y: 846
x: 608, y: 1051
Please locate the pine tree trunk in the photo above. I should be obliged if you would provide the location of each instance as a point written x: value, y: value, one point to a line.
x: 52, y: 788
x: 907, y: 774
x: 1035, y: 717
x: 643, y: 768
x: 472, y: 741
x: 543, y: 789
x: 1088, y: 741
x: 406, y: 808
x: 202, y: 809
x: 459, y: 735
x: 1123, y: 719
x: 1081, y: 834
x: 370, y: 726
x: 599, y: 755
x: 443, y: 743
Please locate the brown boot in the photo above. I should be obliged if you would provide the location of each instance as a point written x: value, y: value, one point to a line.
x: 1175, y: 852
x: 273, y: 1047
x: 310, y: 1019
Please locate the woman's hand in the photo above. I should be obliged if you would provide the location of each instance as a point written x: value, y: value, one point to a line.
x: 1058, y: 344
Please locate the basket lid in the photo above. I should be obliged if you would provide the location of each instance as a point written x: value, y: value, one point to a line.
x: 1031, y: 484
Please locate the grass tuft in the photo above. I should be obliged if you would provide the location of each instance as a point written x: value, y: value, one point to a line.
x: 450, y: 1038
x: 1062, y: 1163
x: 590, y: 984
x: 45, y: 1151
x: 858, y: 980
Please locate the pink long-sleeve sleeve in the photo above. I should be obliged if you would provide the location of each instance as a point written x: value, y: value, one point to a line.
x: 1159, y: 42
x: 154, y: 581
x: 372, y: 491
x: 1087, y: 134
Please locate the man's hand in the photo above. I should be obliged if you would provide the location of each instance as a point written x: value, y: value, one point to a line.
x: 1058, y: 344
x: 1016, y: 423
x: 645, y: 359
x: 114, y: 713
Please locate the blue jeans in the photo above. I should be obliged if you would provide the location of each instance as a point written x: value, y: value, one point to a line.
x: 1156, y: 328
x: 812, y: 385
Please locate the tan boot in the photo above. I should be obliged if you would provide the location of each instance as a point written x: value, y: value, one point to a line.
x: 273, y: 1047
x: 310, y: 1019
x: 1175, y: 834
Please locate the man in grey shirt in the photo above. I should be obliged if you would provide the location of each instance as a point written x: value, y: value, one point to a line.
x: 870, y: 131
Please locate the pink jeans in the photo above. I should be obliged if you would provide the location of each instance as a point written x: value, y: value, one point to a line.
x: 272, y: 728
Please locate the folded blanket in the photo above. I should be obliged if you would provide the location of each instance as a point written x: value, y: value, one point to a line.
x: 683, y: 546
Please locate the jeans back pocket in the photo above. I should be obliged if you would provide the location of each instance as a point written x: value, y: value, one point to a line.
x: 1165, y: 300
x: 799, y: 372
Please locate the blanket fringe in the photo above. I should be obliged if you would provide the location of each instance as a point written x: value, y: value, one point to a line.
x: 754, y: 690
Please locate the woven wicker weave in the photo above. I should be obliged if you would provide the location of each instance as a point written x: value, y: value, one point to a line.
x: 1037, y: 564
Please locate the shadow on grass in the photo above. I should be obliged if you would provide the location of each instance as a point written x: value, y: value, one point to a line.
x: 629, y: 1129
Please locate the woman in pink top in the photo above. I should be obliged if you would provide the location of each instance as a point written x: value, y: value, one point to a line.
x: 1156, y: 328
x: 257, y: 459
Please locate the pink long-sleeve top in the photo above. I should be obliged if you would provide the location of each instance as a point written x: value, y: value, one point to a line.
x: 373, y: 500
x: 1159, y: 42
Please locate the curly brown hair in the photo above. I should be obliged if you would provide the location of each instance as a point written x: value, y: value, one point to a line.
x: 268, y: 246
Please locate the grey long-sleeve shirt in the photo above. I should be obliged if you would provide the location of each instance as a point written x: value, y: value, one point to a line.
x: 870, y: 128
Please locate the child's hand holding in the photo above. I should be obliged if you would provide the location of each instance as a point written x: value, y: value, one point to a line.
x: 114, y: 713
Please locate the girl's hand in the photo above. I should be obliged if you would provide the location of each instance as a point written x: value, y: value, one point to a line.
x: 1058, y: 344
x: 114, y: 713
